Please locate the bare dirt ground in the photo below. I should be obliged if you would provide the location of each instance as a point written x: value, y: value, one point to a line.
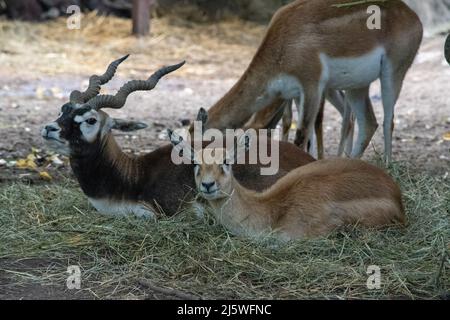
x: 41, y: 64
x: 35, y: 80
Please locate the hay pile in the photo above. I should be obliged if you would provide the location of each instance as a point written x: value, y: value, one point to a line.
x: 55, y: 225
x: 50, y: 48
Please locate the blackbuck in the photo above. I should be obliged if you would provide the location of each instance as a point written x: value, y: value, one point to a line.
x: 310, y: 201
x: 119, y: 184
x: 312, y: 46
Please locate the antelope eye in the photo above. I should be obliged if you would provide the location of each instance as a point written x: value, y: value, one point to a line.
x: 91, y: 121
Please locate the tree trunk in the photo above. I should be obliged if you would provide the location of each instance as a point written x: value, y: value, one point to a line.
x: 141, y: 17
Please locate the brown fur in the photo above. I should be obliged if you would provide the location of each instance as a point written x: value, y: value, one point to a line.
x: 105, y: 172
x: 117, y: 183
x: 269, y: 117
x: 298, y: 33
x: 310, y: 201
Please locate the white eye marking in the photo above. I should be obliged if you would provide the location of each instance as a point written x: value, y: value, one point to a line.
x: 78, y: 119
x: 89, y: 125
x: 86, y: 116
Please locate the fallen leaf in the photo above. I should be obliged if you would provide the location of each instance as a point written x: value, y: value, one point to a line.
x: 45, y: 176
x: 56, y: 160
x: 447, y: 136
x: 26, y: 164
x: 31, y: 157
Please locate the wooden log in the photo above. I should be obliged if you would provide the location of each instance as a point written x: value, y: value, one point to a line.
x: 141, y: 17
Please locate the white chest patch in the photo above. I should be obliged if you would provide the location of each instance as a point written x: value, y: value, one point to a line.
x: 354, y: 72
x: 113, y: 208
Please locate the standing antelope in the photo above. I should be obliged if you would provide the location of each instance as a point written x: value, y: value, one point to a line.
x: 120, y: 184
x: 312, y: 46
x: 310, y: 201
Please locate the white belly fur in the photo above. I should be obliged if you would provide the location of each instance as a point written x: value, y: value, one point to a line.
x: 337, y: 73
x: 113, y: 208
x: 354, y: 72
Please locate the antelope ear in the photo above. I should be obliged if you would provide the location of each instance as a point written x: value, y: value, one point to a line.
x: 127, y: 126
x: 202, y: 116
x: 184, y: 148
x: 245, y: 140
x: 243, y: 144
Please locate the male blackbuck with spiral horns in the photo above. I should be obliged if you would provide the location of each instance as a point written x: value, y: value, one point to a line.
x: 310, y: 201
x: 312, y: 46
x: 120, y: 184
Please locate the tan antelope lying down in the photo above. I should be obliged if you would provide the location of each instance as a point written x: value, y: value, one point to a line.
x: 312, y: 46
x: 310, y: 201
x: 120, y: 184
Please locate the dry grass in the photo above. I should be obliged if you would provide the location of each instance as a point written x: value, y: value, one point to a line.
x: 55, y: 223
x: 50, y: 48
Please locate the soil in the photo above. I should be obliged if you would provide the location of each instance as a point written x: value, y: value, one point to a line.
x: 31, y: 290
x: 27, y: 103
x: 36, y: 290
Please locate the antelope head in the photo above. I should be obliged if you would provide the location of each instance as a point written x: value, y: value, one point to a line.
x: 212, y: 166
x: 81, y: 122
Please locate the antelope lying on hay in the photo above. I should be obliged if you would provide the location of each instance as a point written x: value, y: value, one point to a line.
x: 310, y: 201
x: 120, y: 184
x: 312, y: 46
